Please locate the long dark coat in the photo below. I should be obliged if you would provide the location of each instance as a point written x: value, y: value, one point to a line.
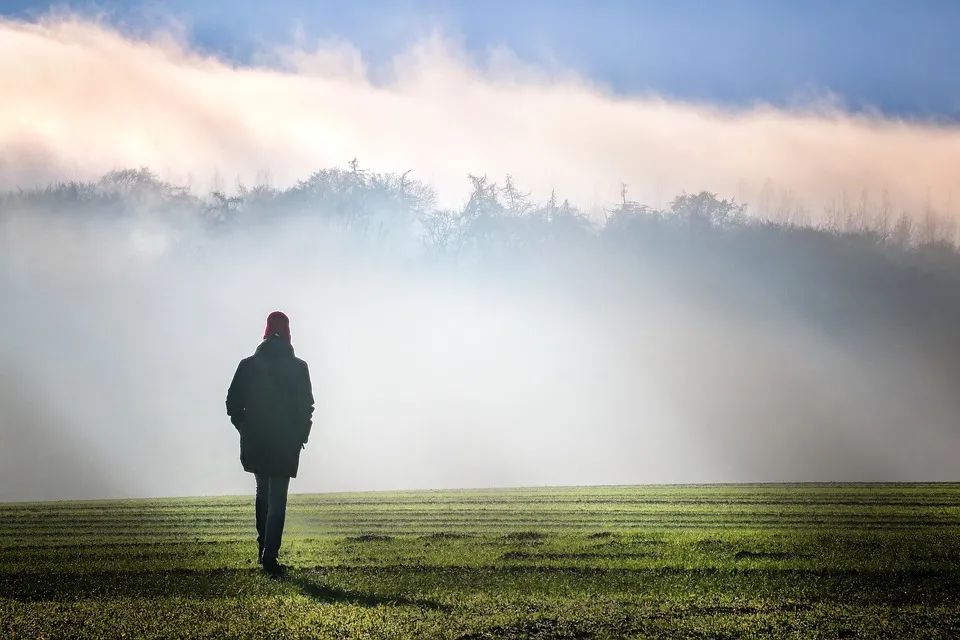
x: 270, y: 402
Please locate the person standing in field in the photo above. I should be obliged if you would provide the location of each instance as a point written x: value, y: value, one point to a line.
x: 270, y: 402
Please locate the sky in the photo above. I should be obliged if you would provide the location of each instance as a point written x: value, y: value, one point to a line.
x: 872, y: 55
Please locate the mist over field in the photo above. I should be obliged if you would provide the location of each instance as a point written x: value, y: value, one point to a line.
x: 507, y: 342
x: 752, y: 293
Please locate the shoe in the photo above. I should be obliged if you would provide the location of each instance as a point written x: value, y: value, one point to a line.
x: 274, y: 568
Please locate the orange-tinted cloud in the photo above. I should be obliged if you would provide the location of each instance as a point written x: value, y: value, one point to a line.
x: 80, y: 98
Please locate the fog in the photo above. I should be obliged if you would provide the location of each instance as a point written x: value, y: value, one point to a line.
x: 607, y: 357
x: 81, y: 98
x: 602, y: 345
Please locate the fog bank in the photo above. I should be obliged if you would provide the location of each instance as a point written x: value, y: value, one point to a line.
x: 650, y: 351
x: 81, y: 99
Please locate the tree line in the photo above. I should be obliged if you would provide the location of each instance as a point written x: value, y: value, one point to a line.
x: 861, y: 275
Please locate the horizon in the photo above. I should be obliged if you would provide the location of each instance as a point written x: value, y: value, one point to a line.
x: 507, y: 489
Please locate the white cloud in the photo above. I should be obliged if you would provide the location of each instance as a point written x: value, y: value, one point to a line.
x: 81, y: 99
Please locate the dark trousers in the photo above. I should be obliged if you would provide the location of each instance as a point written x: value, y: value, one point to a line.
x: 271, y: 512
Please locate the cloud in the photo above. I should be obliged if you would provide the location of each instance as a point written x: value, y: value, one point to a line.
x: 81, y: 98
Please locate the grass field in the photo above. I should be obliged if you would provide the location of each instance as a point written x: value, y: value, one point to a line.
x: 817, y: 561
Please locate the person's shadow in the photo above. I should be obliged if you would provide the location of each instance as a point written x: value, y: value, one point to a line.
x: 324, y: 593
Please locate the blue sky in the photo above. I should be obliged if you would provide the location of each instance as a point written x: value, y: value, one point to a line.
x: 898, y: 58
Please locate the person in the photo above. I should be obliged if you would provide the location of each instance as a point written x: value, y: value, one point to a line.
x: 270, y: 402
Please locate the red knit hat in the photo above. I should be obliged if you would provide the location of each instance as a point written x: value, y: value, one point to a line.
x: 278, y: 324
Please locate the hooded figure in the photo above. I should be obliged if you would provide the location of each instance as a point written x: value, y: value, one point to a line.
x: 270, y: 402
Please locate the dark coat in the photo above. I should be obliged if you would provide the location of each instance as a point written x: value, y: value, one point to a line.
x: 270, y: 402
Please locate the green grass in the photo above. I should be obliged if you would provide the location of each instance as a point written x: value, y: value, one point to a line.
x: 800, y: 561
